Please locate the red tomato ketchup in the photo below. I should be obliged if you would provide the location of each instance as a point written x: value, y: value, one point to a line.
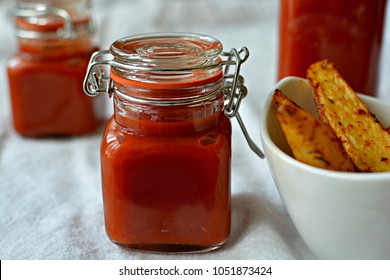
x: 166, y: 152
x: 348, y: 33
x: 46, y: 74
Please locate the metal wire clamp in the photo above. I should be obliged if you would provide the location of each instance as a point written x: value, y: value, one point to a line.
x: 236, y: 91
x: 98, y: 81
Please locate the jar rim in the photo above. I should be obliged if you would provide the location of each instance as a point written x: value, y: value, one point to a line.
x: 167, y: 51
x: 53, y: 19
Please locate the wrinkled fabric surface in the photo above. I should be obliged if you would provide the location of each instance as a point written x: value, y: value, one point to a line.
x: 50, y: 189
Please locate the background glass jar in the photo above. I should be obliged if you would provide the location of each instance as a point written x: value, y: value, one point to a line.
x: 348, y: 33
x: 166, y: 152
x: 46, y: 74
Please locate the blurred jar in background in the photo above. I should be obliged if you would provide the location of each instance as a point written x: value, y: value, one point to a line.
x: 46, y: 73
x: 348, y: 33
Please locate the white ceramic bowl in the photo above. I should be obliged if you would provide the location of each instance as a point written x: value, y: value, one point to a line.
x: 339, y: 215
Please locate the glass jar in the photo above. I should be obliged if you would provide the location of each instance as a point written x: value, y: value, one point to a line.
x: 348, y: 33
x: 46, y: 74
x: 166, y: 152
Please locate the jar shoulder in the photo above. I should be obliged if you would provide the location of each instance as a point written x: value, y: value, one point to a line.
x: 117, y: 140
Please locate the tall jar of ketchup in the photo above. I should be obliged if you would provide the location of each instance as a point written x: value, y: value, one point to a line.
x: 347, y: 32
x: 46, y: 73
x: 166, y: 152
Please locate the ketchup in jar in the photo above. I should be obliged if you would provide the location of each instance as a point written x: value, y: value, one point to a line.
x: 46, y: 73
x: 347, y: 32
x: 166, y: 151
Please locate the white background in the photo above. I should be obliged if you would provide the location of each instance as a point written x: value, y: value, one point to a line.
x: 50, y: 196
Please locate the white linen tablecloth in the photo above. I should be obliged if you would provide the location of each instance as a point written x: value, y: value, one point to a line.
x: 50, y: 190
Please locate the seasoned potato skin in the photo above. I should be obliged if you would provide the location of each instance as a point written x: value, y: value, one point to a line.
x: 363, y: 137
x: 311, y: 141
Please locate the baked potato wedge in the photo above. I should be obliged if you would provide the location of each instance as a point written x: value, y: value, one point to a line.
x: 311, y: 141
x: 364, y: 139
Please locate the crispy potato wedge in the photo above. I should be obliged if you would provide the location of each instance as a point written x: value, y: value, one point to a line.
x: 311, y: 141
x: 364, y: 139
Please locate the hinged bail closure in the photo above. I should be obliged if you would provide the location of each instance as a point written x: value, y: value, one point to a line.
x: 234, y: 82
x: 98, y: 81
x: 236, y: 91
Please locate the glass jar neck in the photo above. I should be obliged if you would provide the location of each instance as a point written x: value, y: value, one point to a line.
x: 143, y: 115
x: 56, y: 48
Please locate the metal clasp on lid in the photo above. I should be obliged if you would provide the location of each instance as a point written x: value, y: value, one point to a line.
x: 235, y: 91
x: 234, y: 82
x: 98, y: 81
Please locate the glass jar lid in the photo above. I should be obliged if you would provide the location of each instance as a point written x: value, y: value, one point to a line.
x: 167, y: 50
x: 166, y: 60
x: 53, y: 19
